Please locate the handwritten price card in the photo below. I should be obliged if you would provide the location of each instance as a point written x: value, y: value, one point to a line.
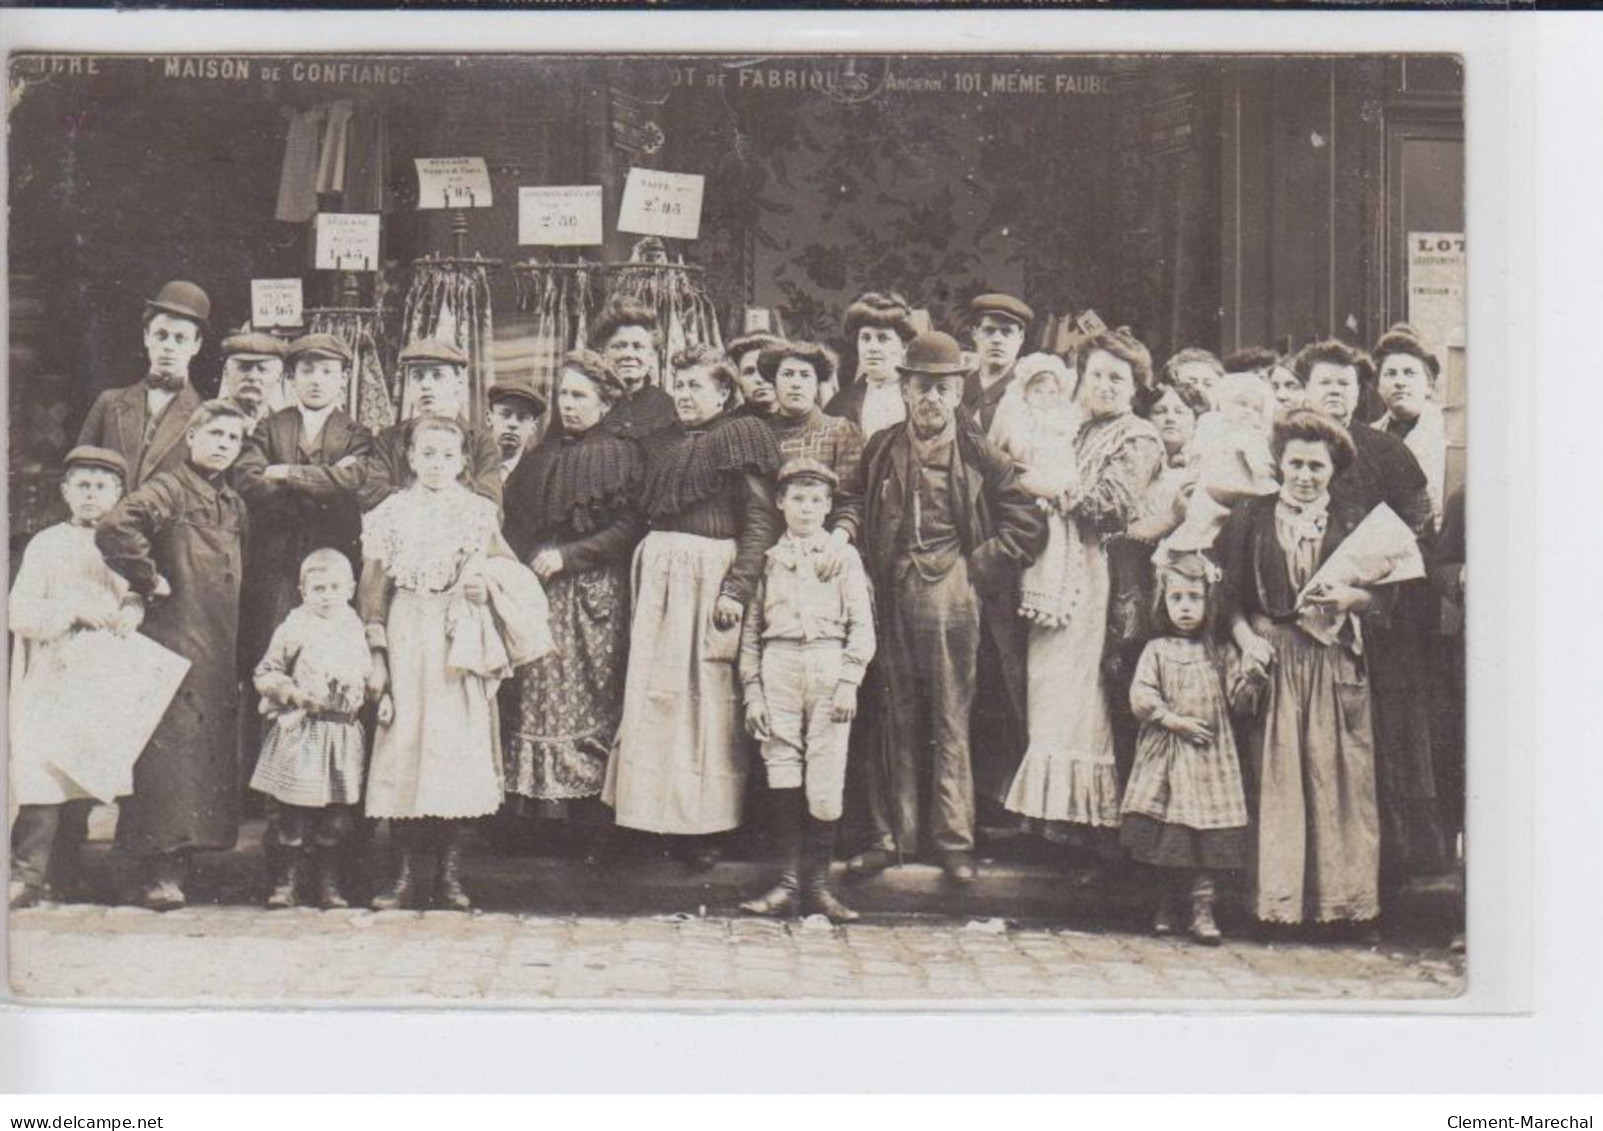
x: 347, y: 241
x: 452, y: 182
x: 662, y: 204
x: 559, y: 215
x: 275, y: 302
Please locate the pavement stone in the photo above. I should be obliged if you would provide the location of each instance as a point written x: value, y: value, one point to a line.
x: 243, y: 954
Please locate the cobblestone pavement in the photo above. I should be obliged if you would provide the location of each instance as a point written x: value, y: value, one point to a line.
x: 243, y: 955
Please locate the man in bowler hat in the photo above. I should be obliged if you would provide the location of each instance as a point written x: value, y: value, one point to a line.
x: 947, y: 530
x: 145, y: 422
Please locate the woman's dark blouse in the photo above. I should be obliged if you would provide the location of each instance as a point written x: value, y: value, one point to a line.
x: 716, y: 481
x: 579, y: 495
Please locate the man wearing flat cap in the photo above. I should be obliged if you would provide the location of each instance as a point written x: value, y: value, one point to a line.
x: 145, y: 422
x: 434, y: 382
x: 253, y: 374
x: 947, y: 529
x: 1000, y: 323
x: 299, y: 473
x: 513, y: 418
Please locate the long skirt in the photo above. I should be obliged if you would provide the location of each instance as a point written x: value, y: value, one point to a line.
x: 570, y: 700
x: 681, y: 759
x: 438, y: 758
x: 1068, y: 777
x: 1313, y: 762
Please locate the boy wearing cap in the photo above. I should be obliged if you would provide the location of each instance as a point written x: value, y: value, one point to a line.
x: 145, y: 422
x: 299, y: 473
x: 1000, y: 323
x: 434, y: 382
x: 804, y: 646
x: 253, y: 375
x: 178, y: 541
x: 62, y: 588
x: 513, y: 419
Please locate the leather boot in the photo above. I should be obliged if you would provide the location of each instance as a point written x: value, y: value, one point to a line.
x: 781, y: 900
x: 818, y: 897
x: 398, y: 892
x: 164, y: 889
x: 1203, y: 928
x: 329, y: 896
x: 286, y: 877
x: 448, y: 891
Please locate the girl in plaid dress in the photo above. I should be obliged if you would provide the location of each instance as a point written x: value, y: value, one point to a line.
x: 1184, y: 809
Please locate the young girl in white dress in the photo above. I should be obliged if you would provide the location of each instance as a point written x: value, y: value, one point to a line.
x: 435, y: 763
x: 312, y: 681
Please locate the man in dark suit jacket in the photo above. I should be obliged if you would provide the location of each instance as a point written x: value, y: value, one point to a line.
x: 145, y: 422
x: 947, y: 530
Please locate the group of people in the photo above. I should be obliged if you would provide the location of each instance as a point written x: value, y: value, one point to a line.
x: 1068, y: 589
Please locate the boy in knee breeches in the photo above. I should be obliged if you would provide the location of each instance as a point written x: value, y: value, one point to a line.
x: 806, y: 641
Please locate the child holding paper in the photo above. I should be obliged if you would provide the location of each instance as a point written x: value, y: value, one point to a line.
x: 63, y: 588
x: 311, y: 682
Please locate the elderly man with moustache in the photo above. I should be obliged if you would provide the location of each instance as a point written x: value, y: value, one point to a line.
x: 145, y: 422
x: 253, y: 375
x: 947, y: 529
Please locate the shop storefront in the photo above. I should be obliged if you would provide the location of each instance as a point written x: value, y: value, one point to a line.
x: 1210, y: 201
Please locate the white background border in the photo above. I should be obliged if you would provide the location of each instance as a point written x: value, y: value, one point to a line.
x: 1534, y: 923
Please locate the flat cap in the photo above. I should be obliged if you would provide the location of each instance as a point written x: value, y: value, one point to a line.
x: 431, y: 350
x: 87, y: 455
x: 1005, y: 306
x: 805, y: 467
x: 516, y: 388
x: 255, y: 343
x: 318, y: 345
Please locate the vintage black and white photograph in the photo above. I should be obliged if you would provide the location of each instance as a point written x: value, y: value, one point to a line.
x: 863, y: 530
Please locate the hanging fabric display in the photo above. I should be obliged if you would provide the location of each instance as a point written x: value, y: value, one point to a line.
x: 560, y: 301
x: 449, y: 301
x: 369, y: 400
x: 676, y: 291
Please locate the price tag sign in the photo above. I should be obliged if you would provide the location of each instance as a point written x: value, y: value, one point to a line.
x: 662, y: 204
x: 347, y: 241
x: 275, y: 302
x: 452, y: 182
x: 559, y: 215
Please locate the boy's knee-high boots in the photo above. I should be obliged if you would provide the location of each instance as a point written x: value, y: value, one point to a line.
x: 818, y: 897
x: 783, y: 899
x: 287, y: 863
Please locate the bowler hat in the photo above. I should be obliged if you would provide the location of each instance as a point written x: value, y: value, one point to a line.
x: 432, y: 351
x: 183, y: 299
x: 516, y: 388
x: 87, y: 455
x: 254, y: 343
x: 934, y: 354
x: 805, y: 467
x: 1004, y: 306
x: 318, y: 345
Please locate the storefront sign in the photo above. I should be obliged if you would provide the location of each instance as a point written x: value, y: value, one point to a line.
x: 347, y: 241
x: 452, y: 182
x: 275, y: 302
x: 662, y: 204
x: 1436, y: 287
x: 559, y: 215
